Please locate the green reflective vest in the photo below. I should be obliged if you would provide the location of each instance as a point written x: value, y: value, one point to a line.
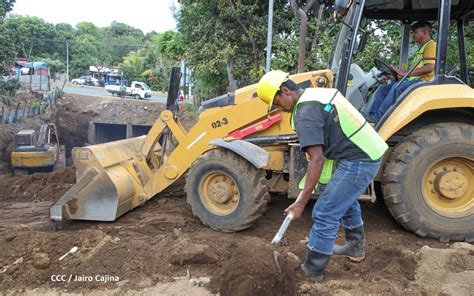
x: 420, y: 51
x: 352, y: 123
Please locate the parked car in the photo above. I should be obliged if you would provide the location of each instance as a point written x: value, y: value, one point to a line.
x: 86, y: 80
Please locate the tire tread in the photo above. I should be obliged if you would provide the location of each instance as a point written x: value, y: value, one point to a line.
x: 397, y: 168
x: 259, y: 193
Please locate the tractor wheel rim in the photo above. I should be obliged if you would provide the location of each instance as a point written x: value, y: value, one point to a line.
x: 219, y: 193
x: 448, y: 188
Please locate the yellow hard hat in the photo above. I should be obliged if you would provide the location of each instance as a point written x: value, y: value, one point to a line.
x: 269, y: 84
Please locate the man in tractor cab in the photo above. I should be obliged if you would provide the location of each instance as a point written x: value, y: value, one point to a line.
x: 385, y: 95
x: 329, y: 129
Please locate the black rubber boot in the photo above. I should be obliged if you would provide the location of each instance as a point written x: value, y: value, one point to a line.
x: 354, y: 247
x: 314, y: 265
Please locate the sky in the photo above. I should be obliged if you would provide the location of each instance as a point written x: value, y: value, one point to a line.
x: 146, y: 15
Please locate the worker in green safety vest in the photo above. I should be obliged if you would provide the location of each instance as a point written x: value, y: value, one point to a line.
x: 424, y: 61
x: 328, y: 127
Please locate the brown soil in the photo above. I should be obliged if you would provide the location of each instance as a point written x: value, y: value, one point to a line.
x: 37, y: 187
x: 160, y: 248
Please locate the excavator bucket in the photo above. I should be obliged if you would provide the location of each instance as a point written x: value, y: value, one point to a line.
x: 110, y: 181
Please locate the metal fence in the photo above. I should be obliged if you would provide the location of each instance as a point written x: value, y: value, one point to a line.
x: 18, y: 112
x: 35, y: 82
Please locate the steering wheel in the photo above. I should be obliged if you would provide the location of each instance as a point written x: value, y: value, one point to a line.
x: 386, y: 69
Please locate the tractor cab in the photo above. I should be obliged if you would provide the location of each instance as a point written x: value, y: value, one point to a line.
x: 25, y: 139
x: 448, y: 18
x: 29, y: 140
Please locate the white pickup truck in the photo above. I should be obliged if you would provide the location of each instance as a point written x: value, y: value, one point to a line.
x: 137, y: 90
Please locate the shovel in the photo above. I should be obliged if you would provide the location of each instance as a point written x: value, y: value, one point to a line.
x: 278, y: 236
x: 72, y: 250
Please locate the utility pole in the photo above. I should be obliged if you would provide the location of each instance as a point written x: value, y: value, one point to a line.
x: 269, y: 35
x: 67, y: 60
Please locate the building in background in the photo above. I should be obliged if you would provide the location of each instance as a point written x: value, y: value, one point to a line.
x: 33, y: 76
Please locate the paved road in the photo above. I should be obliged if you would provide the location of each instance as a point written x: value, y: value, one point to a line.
x: 99, y: 91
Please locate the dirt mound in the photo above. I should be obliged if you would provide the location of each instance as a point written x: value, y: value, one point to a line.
x: 447, y: 272
x: 120, y: 259
x: 30, y: 258
x: 7, y: 136
x: 37, y: 187
x: 255, y: 268
x: 72, y: 120
x: 426, y: 271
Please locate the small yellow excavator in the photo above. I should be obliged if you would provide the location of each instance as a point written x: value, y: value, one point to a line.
x: 42, y: 153
x: 237, y: 152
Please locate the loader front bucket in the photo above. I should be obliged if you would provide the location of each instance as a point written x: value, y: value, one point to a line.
x: 110, y: 181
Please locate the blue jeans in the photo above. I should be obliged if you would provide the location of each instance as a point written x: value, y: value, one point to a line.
x: 384, y: 98
x: 338, y: 203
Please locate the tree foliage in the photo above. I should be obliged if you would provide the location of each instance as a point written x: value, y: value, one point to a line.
x: 139, y: 57
x: 223, y: 42
x: 5, y: 7
x: 224, y: 37
x: 7, y: 53
x: 32, y: 35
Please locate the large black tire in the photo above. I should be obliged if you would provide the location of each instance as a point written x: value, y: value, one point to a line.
x: 225, y: 191
x: 428, y: 183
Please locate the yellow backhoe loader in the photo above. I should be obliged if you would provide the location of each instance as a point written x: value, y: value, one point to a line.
x: 237, y: 153
x: 42, y: 153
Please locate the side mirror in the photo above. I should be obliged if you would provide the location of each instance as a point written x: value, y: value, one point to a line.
x: 361, y: 40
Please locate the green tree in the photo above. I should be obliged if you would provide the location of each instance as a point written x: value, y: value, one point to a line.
x: 320, y: 38
x: 302, y: 13
x: 133, y: 66
x: 7, y: 45
x: 7, y: 50
x: 121, y: 39
x: 383, y: 41
x: 88, y: 48
x: 162, y: 52
x: 84, y: 52
x: 32, y: 35
x: 5, y: 7
x: 224, y: 37
x: 63, y: 33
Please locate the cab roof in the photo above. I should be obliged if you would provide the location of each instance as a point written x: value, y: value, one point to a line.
x: 415, y: 10
x: 25, y: 132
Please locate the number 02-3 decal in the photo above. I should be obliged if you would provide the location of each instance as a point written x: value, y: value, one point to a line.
x: 219, y: 123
